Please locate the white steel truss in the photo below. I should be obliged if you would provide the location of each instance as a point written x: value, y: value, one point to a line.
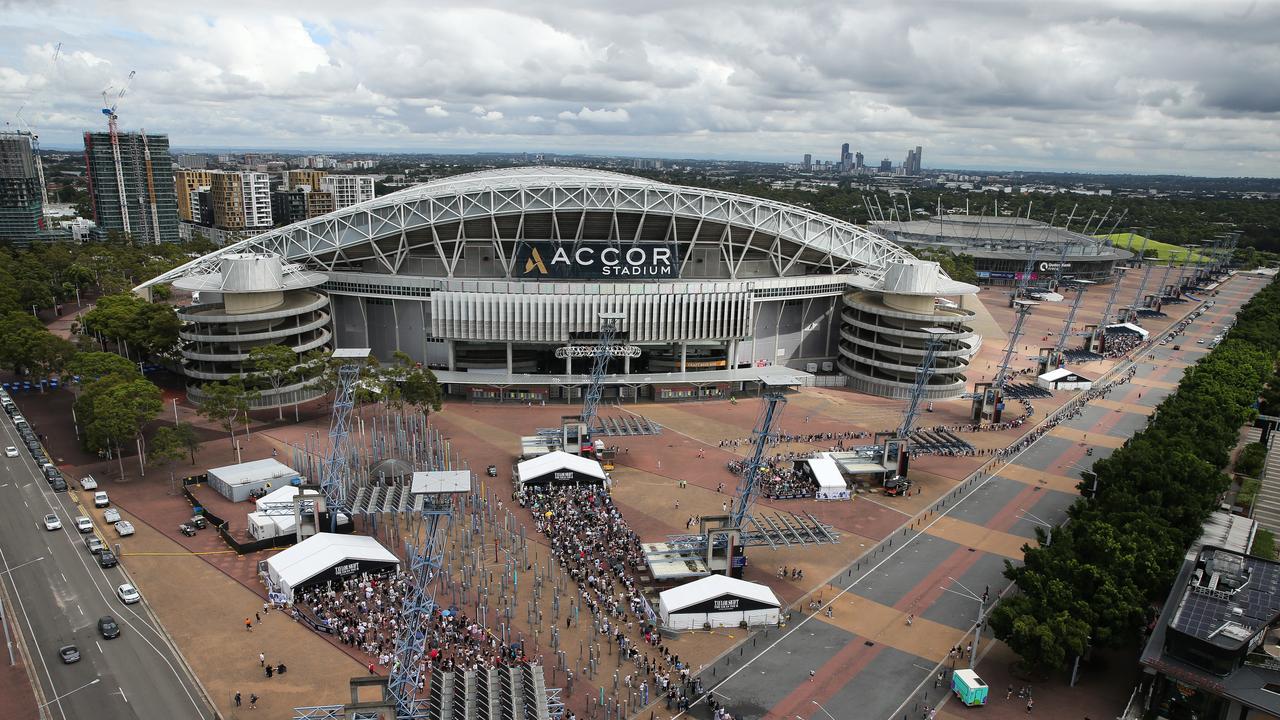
x: 379, y: 229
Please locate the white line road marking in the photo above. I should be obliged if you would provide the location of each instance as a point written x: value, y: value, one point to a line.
x: 95, y: 642
x: 122, y: 695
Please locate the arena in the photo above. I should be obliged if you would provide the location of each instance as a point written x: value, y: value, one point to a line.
x: 1001, y: 246
x: 483, y: 276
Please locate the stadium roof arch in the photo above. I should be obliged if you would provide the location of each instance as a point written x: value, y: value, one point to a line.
x: 379, y: 229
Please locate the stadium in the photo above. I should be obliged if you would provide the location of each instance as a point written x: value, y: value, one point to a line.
x: 1001, y: 246
x: 483, y: 276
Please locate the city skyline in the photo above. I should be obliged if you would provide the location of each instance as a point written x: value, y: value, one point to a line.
x: 1001, y: 85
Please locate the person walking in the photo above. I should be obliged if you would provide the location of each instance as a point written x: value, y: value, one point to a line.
x: 237, y: 698
x: 248, y: 624
x: 1030, y: 703
x: 253, y: 701
x: 258, y: 618
x: 262, y: 659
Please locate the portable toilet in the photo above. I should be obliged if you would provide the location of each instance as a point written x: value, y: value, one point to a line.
x: 969, y: 687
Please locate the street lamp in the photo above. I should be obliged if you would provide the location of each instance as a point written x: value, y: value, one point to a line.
x: 824, y: 710
x: 982, y: 613
x: 1038, y: 521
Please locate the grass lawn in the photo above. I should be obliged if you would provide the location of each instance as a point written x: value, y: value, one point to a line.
x: 1134, y: 242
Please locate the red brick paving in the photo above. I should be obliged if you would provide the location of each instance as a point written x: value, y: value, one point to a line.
x: 16, y: 696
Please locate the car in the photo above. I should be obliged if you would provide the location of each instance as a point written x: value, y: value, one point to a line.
x: 1177, y: 347
x: 128, y: 594
x: 51, y: 522
x: 108, y: 626
x: 1200, y: 341
x: 88, y: 483
x: 94, y: 544
x: 69, y: 654
x: 58, y: 484
x: 11, y: 451
x: 107, y: 559
x: 100, y: 499
x: 124, y: 527
x: 19, y: 420
x: 492, y: 471
x: 112, y: 515
x: 84, y: 524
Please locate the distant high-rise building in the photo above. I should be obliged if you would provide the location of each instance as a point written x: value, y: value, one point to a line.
x: 193, y: 161
x: 241, y: 200
x: 303, y: 203
x: 808, y: 161
x: 21, y: 209
x: 886, y: 165
x: 297, y: 178
x: 846, y: 158
x: 919, y: 157
x: 857, y: 161
x: 136, y: 197
x: 187, y: 183
x: 912, y: 165
x: 347, y: 189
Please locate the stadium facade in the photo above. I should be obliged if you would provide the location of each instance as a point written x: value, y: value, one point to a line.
x: 483, y: 276
x: 1001, y: 246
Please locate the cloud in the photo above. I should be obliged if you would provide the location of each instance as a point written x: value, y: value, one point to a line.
x: 1120, y: 85
x: 602, y: 115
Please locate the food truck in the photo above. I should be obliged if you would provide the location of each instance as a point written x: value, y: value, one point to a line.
x: 969, y: 687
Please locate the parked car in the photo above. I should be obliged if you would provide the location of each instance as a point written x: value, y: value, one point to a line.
x: 107, y: 559
x: 112, y: 515
x: 198, y: 522
x: 84, y: 524
x: 11, y: 451
x: 88, y: 483
x: 94, y: 544
x: 58, y: 484
x: 69, y: 654
x: 128, y: 594
x: 124, y: 527
x: 51, y: 522
x: 108, y: 626
x: 100, y: 499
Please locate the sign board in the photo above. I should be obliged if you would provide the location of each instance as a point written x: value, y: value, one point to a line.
x: 1047, y: 266
x: 538, y: 259
x: 348, y: 569
x: 1001, y: 275
x: 726, y: 604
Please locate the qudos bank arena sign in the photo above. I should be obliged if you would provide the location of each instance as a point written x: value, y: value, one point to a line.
x: 595, y: 260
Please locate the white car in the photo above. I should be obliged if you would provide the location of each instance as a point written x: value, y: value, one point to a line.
x: 128, y: 594
x: 51, y: 522
x: 11, y: 451
x: 84, y: 524
x: 111, y: 516
x: 100, y: 499
x: 88, y: 483
x: 124, y: 527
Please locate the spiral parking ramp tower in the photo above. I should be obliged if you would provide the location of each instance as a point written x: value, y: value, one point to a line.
x: 252, y: 300
x: 886, y: 325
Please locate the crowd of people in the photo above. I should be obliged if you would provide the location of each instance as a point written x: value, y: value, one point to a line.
x: 599, y: 551
x: 1119, y: 344
x: 364, y: 612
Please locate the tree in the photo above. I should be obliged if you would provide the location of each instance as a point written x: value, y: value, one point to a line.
x: 170, y: 445
x: 274, y: 365
x: 414, y: 385
x: 225, y: 402
x: 120, y: 410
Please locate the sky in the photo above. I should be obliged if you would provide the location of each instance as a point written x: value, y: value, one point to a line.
x: 1144, y: 86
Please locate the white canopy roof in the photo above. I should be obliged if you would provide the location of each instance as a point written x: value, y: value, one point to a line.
x: 281, y: 495
x: 1058, y: 374
x: 322, y: 551
x: 254, y: 471
x: 827, y: 473
x: 713, y: 586
x: 558, y: 460
x: 1131, y: 328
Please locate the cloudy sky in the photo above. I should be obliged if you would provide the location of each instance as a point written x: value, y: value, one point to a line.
x: 1183, y: 86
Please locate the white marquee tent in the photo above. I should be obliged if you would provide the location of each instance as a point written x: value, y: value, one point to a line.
x: 826, y: 473
x: 559, y: 467
x: 323, y: 557
x: 720, y: 601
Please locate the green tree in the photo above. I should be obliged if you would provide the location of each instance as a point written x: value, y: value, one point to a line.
x: 408, y: 382
x: 274, y: 366
x: 168, y: 447
x: 120, y: 410
x: 225, y: 402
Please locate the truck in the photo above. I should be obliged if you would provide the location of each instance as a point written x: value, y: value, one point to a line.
x: 969, y: 687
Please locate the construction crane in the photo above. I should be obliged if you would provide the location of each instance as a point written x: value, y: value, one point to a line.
x: 109, y: 105
x: 335, y: 474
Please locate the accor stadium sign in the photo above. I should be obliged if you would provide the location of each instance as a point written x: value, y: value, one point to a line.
x: 588, y: 260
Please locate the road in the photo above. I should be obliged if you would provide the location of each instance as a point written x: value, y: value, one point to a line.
x: 57, y: 592
x: 865, y: 660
